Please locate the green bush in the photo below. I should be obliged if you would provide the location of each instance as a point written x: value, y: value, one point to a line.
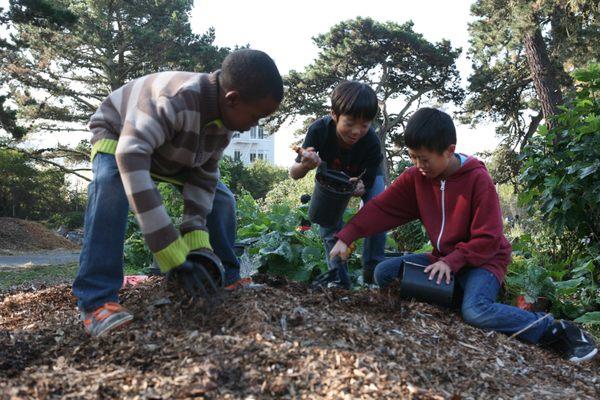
x: 257, y: 179
x: 570, y: 284
x: 289, y: 190
x: 561, y: 190
x: 560, y: 174
x: 71, y: 220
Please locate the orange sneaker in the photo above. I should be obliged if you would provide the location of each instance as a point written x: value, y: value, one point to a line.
x: 108, y: 317
x: 240, y: 283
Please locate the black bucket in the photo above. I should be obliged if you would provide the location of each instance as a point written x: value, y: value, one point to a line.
x: 330, y: 197
x: 415, y: 284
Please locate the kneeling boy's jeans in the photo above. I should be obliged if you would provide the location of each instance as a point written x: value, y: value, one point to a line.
x: 100, y: 273
x: 479, y: 307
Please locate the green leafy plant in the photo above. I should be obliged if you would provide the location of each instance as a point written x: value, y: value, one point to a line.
x: 529, y: 279
x: 281, y: 248
x: 559, y: 174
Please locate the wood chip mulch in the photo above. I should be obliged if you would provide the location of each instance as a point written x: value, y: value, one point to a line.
x: 277, y: 340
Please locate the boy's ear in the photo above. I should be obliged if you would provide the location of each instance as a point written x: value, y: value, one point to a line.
x: 450, y: 150
x: 334, y: 117
x: 232, y: 97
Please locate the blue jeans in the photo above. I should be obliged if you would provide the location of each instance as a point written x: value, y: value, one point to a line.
x: 373, y: 246
x: 100, y: 274
x: 479, y: 307
x: 221, y: 224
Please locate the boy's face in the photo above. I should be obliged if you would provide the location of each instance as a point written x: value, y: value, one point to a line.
x: 240, y: 115
x: 430, y: 163
x: 349, y: 129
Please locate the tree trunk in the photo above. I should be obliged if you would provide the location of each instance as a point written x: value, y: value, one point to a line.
x: 543, y: 74
x: 382, y: 134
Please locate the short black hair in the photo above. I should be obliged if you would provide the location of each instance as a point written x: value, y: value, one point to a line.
x: 253, y: 74
x: 355, y: 99
x: 430, y: 128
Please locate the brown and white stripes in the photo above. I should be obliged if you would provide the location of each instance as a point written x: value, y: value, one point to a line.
x: 165, y: 123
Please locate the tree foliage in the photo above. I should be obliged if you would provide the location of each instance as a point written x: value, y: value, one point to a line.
x: 401, y: 66
x: 32, y: 193
x: 560, y: 177
x: 64, y: 57
x: 501, y: 88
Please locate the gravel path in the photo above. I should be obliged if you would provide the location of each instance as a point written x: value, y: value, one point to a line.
x: 48, y: 257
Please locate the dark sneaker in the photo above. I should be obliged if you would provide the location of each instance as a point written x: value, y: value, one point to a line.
x: 108, y: 317
x: 572, y: 342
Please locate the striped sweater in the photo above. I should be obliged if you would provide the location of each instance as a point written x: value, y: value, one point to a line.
x: 165, y: 124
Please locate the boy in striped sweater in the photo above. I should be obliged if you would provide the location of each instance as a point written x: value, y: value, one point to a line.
x: 171, y: 126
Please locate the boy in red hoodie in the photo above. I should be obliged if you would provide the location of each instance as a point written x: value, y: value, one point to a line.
x: 454, y: 197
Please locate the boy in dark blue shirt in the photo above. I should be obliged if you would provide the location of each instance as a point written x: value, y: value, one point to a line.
x: 346, y: 141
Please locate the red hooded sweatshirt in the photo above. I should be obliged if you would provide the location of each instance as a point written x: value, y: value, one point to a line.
x: 461, y: 215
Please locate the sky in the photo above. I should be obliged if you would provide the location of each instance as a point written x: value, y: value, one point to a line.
x: 284, y: 29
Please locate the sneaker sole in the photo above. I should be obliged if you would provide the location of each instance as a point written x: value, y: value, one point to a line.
x: 115, y: 326
x: 587, y: 357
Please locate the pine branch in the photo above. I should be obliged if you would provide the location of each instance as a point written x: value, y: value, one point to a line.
x: 33, y: 156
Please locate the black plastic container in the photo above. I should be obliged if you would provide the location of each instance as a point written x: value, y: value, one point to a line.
x: 330, y: 197
x: 415, y: 284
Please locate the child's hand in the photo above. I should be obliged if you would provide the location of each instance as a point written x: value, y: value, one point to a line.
x: 310, y: 158
x: 340, y: 249
x: 360, y: 189
x: 440, y: 268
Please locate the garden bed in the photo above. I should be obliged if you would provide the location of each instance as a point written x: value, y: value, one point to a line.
x: 277, y: 340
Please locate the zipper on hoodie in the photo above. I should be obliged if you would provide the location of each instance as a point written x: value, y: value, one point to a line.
x: 442, y: 189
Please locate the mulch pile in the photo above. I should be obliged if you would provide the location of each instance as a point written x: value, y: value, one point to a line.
x: 279, y: 340
x: 21, y: 235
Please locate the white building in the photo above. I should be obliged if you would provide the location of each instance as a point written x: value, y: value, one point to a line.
x: 252, y: 145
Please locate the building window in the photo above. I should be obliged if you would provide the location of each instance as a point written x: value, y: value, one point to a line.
x: 261, y: 156
x: 257, y: 132
x: 236, y: 135
x: 252, y: 157
x: 237, y: 155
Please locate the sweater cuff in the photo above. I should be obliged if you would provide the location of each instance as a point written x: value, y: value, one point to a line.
x: 455, y: 260
x: 172, y: 256
x: 197, y: 239
x: 108, y: 146
x: 348, y: 234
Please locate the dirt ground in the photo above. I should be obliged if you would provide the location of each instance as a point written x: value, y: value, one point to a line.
x: 18, y: 235
x: 279, y: 340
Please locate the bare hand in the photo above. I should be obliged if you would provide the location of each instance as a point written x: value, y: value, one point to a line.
x: 310, y: 158
x: 340, y: 249
x: 441, y: 269
x: 360, y: 189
